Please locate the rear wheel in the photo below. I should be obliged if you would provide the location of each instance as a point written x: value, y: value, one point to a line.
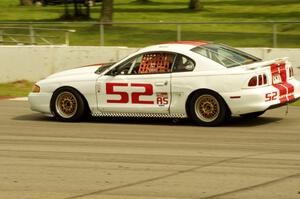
x: 208, y: 108
x: 253, y: 115
x: 67, y: 105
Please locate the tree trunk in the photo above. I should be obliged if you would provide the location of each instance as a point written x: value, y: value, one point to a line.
x: 88, y: 3
x: 67, y: 12
x: 26, y: 2
x: 142, y: 1
x: 76, y: 9
x: 195, y: 5
x: 107, y: 11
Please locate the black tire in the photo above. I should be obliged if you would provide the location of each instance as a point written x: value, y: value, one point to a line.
x: 67, y: 105
x: 207, y: 108
x: 253, y: 115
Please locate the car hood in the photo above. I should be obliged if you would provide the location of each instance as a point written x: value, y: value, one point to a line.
x: 77, y: 71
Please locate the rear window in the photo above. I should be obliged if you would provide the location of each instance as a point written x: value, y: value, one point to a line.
x: 225, y: 55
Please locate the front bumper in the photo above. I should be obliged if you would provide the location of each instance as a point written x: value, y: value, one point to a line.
x: 40, y: 102
x: 254, y: 99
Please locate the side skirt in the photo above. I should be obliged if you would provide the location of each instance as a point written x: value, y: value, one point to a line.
x: 159, y: 115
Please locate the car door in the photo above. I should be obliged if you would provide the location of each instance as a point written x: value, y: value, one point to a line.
x: 138, y: 85
x: 182, y: 82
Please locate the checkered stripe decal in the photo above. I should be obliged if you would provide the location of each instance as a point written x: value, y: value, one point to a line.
x: 161, y: 115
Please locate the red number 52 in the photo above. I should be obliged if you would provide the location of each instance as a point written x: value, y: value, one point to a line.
x: 271, y: 96
x: 135, y: 96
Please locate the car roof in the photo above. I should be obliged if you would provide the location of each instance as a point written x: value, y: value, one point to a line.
x: 178, y: 46
x: 193, y: 43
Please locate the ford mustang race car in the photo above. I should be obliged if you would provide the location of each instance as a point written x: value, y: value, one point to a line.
x: 201, y: 80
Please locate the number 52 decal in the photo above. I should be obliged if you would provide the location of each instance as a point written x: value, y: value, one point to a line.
x: 271, y: 96
x: 135, y: 96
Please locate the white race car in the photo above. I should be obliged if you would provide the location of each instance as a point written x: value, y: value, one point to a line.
x: 204, y: 81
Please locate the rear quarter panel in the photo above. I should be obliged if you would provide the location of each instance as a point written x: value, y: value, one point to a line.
x: 221, y: 82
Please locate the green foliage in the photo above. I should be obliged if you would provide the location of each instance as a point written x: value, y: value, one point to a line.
x: 170, y: 11
x: 18, y: 88
x: 297, y: 103
x: 165, y: 11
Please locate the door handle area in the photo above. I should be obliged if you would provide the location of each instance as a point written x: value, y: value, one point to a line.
x: 161, y: 83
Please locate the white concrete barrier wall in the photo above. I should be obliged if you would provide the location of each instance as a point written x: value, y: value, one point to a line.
x: 36, y: 62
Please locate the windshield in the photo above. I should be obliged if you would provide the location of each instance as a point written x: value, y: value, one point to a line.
x: 101, y: 69
x: 225, y: 55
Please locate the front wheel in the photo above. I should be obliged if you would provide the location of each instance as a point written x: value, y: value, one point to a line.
x: 208, y: 109
x: 67, y: 105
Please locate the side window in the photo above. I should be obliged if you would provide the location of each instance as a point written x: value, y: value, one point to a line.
x: 148, y: 63
x: 183, y: 64
x: 151, y: 63
x: 124, y: 68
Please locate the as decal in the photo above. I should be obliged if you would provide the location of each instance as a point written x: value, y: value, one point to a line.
x: 162, y: 99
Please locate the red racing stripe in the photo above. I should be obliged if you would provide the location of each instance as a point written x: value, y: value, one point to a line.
x: 282, y: 92
x: 274, y: 71
x: 290, y: 87
x: 284, y: 88
x: 283, y: 72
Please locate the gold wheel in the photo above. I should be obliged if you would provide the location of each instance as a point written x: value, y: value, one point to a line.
x: 207, y: 108
x: 66, y: 104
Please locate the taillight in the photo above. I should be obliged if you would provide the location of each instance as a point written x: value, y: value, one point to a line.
x: 265, y: 78
x: 253, y: 81
x: 258, y: 80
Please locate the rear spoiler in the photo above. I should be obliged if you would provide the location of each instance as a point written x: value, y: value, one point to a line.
x: 266, y: 63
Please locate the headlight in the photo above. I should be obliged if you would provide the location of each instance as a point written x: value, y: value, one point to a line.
x: 36, y: 89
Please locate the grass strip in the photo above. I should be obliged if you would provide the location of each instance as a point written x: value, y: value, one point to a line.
x: 16, y: 89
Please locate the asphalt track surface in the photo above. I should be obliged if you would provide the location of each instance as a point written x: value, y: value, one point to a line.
x: 148, y: 158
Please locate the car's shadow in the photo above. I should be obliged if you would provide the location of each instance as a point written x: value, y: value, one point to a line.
x: 233, y: 122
